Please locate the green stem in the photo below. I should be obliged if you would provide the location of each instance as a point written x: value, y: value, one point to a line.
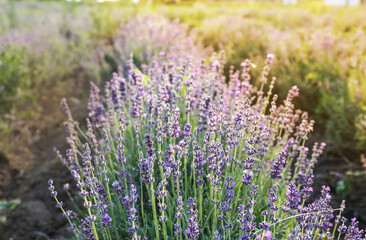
x: 156, y: 223
x: 68, y: 219
x: 200, y: 204
x: 142, y: 204
x: 92, y: 222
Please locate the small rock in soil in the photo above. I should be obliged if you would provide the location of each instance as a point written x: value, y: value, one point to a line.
x: 38, y: 212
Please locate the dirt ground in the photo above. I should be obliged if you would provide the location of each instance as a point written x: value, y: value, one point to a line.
x: 25, y: 170
x: 26, y: 165
x: 355, y: 199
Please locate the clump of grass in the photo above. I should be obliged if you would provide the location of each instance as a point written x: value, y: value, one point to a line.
x: 176, y: 153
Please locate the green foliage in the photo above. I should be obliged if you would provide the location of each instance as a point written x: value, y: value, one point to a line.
x: 12, y: 72
x: 343, y: 187
x: 9, y: 205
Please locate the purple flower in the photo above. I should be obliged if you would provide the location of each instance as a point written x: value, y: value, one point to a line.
x: 278, y: 164
x: 52, y: 188
x: 106, y: 220
x: 59, y: 204
x: 293, y: 196
x: 147, y: 169
x: 131, y: 211
x: 87, y: 228
x: 192, y: 230
x: 247, y: 177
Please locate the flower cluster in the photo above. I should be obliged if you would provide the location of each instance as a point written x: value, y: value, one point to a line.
x: 175, y: 152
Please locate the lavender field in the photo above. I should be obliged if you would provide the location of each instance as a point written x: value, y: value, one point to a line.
x: 182, y: 120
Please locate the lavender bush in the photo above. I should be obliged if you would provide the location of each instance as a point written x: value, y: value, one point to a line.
x: 176, y: 153
x: 149, y: 36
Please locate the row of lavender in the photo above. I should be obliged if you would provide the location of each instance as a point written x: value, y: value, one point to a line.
x: 175, y: 152
x: 42, y: 46
x: 52, y: 45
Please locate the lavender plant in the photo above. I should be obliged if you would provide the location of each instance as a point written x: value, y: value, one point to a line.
x: 150, y: 36
x: 176, y: 153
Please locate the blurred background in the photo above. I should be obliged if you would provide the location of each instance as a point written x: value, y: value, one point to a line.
x: 53, y: 49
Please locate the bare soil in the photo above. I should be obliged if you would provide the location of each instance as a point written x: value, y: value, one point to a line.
x: 27, y: 162
x: 355, y: 197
